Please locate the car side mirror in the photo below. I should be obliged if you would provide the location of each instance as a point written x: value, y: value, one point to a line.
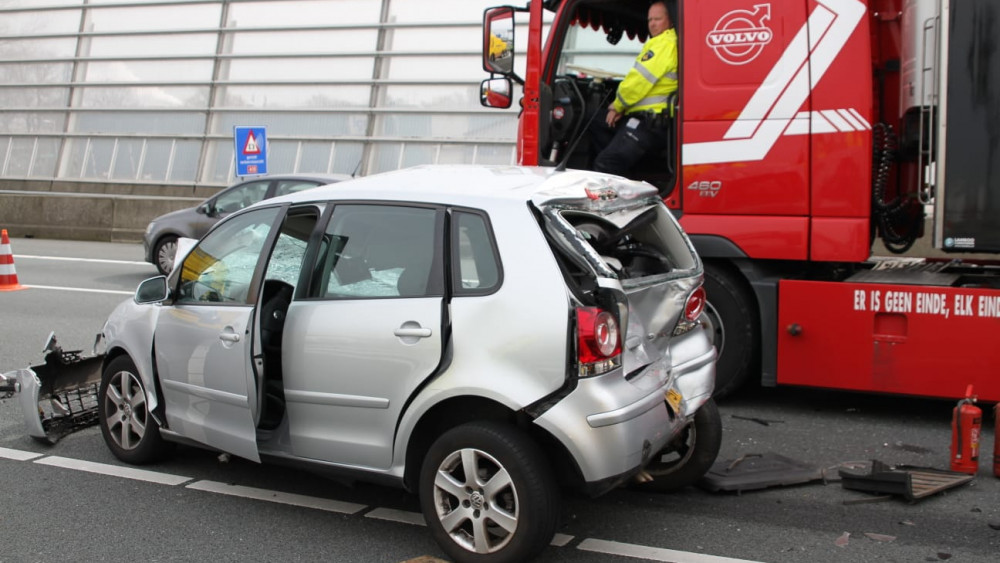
x: 207, y: 208
x: 153, y: 290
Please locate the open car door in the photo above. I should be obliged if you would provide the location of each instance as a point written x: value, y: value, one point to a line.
x: 203, y: 338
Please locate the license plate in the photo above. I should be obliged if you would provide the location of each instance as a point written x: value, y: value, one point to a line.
x: 674, y: 400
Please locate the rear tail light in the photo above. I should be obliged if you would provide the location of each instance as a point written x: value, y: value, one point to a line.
x: 692, y: 310
x: 695, y: 304
x: 599, y: 345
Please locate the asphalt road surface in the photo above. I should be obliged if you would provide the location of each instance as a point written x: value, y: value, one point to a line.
x: 75, y: 501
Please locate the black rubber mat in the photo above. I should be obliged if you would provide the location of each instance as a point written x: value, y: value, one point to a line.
x: 758, y: 471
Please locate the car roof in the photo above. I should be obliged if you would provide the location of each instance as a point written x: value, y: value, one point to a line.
x: 469, y: 185
x: 318, y: 176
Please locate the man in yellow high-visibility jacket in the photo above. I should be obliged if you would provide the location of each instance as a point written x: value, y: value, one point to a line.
x: 642, y: 99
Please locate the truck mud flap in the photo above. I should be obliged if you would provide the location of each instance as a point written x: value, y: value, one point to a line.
x: 59, y: 396
x: 913, y: 483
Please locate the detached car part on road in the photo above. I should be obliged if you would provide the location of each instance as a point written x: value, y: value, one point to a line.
x: 480, y: 335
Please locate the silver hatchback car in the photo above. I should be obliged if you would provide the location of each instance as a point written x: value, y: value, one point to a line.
x: 483, y: 336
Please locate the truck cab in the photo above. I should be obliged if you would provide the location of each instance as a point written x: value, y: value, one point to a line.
x: 810, y: 138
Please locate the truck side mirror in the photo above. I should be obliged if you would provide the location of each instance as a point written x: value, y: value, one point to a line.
x: 498, y: 40
x: 495, y: 92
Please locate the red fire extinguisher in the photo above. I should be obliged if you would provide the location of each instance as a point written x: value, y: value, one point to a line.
x: 966, y: 422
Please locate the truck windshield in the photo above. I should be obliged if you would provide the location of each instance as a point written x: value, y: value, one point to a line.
x: 587, y: 51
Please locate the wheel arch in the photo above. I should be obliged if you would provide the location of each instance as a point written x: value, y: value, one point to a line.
x: 758, y: 281
x: 152, y: 381
x: 456, y: 411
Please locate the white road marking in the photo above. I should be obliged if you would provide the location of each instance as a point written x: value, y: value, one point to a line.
x: 560, y: 540
x: 275, y: 496
x: 388, y: 514
x: 114, y: 470
x: 70, y: 259
x: 401, y: 516
x: 417, y: 519
x: 652, y: 553
x: 18, y: 455
x: 57, y: 288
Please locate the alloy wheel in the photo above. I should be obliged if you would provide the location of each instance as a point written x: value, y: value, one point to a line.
x: 125, y: 410
x: 476, y: 500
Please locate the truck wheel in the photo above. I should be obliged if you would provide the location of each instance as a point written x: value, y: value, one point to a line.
x: 164, y: 253
x: 731, y: 312
x: 487, y: 494
x: 128, y: 428
x: 689, y: 456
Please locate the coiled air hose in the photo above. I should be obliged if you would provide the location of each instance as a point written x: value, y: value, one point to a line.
x: 898, y: 219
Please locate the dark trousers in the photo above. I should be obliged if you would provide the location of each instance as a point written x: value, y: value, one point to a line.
x: 634, y: 136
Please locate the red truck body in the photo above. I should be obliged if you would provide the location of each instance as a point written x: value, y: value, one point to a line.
x: 805, y: 130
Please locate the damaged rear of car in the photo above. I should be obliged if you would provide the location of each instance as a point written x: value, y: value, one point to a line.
x: 624, y: 255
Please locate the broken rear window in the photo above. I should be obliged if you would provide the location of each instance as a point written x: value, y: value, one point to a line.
x: 636, y: 246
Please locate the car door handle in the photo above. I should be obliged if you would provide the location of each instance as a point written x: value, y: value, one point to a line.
x: 418, y: 332
x: 229, y: 337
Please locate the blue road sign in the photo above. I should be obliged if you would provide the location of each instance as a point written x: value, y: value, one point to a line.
x: 251, y: 150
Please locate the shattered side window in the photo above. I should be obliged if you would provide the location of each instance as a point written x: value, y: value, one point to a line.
x: 286, y: 260
x: 285, y: 263
x: 478, y: 267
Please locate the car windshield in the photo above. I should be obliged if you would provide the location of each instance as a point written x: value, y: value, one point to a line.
x: 221, y: 267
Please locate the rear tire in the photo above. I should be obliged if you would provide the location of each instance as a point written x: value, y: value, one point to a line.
x: 164, y: 254
x: 129, y: 429
x: 488, y: 495
x: 689, y: 456
x: 732, y: 313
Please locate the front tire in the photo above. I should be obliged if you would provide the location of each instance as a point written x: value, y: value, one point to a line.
x: 129, y: 429
x: 488, y: 495
x: 689, y: 456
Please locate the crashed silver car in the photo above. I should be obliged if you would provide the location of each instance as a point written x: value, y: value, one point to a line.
x: 482, y: 336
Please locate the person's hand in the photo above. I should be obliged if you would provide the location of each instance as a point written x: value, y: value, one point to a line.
x: 612, y: 117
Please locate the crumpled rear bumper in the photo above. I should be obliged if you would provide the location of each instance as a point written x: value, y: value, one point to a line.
x: 57, y: 397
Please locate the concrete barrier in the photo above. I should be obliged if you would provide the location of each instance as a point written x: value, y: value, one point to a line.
x: 87, y: 211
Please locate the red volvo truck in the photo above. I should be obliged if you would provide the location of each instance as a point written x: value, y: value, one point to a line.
x: 805, y: 133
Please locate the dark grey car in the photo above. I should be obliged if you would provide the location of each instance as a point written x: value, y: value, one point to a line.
x: 160, y: 239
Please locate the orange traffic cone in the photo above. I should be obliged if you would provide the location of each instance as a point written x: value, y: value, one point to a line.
x: 8, y: 277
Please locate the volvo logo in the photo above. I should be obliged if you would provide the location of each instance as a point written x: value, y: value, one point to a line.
x: 740, y: 35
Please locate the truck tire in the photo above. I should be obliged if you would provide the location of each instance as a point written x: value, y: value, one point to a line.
x: 688, y: 457
x: 732, y: 313
x: 129, y: 429
x: 488, y: 495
